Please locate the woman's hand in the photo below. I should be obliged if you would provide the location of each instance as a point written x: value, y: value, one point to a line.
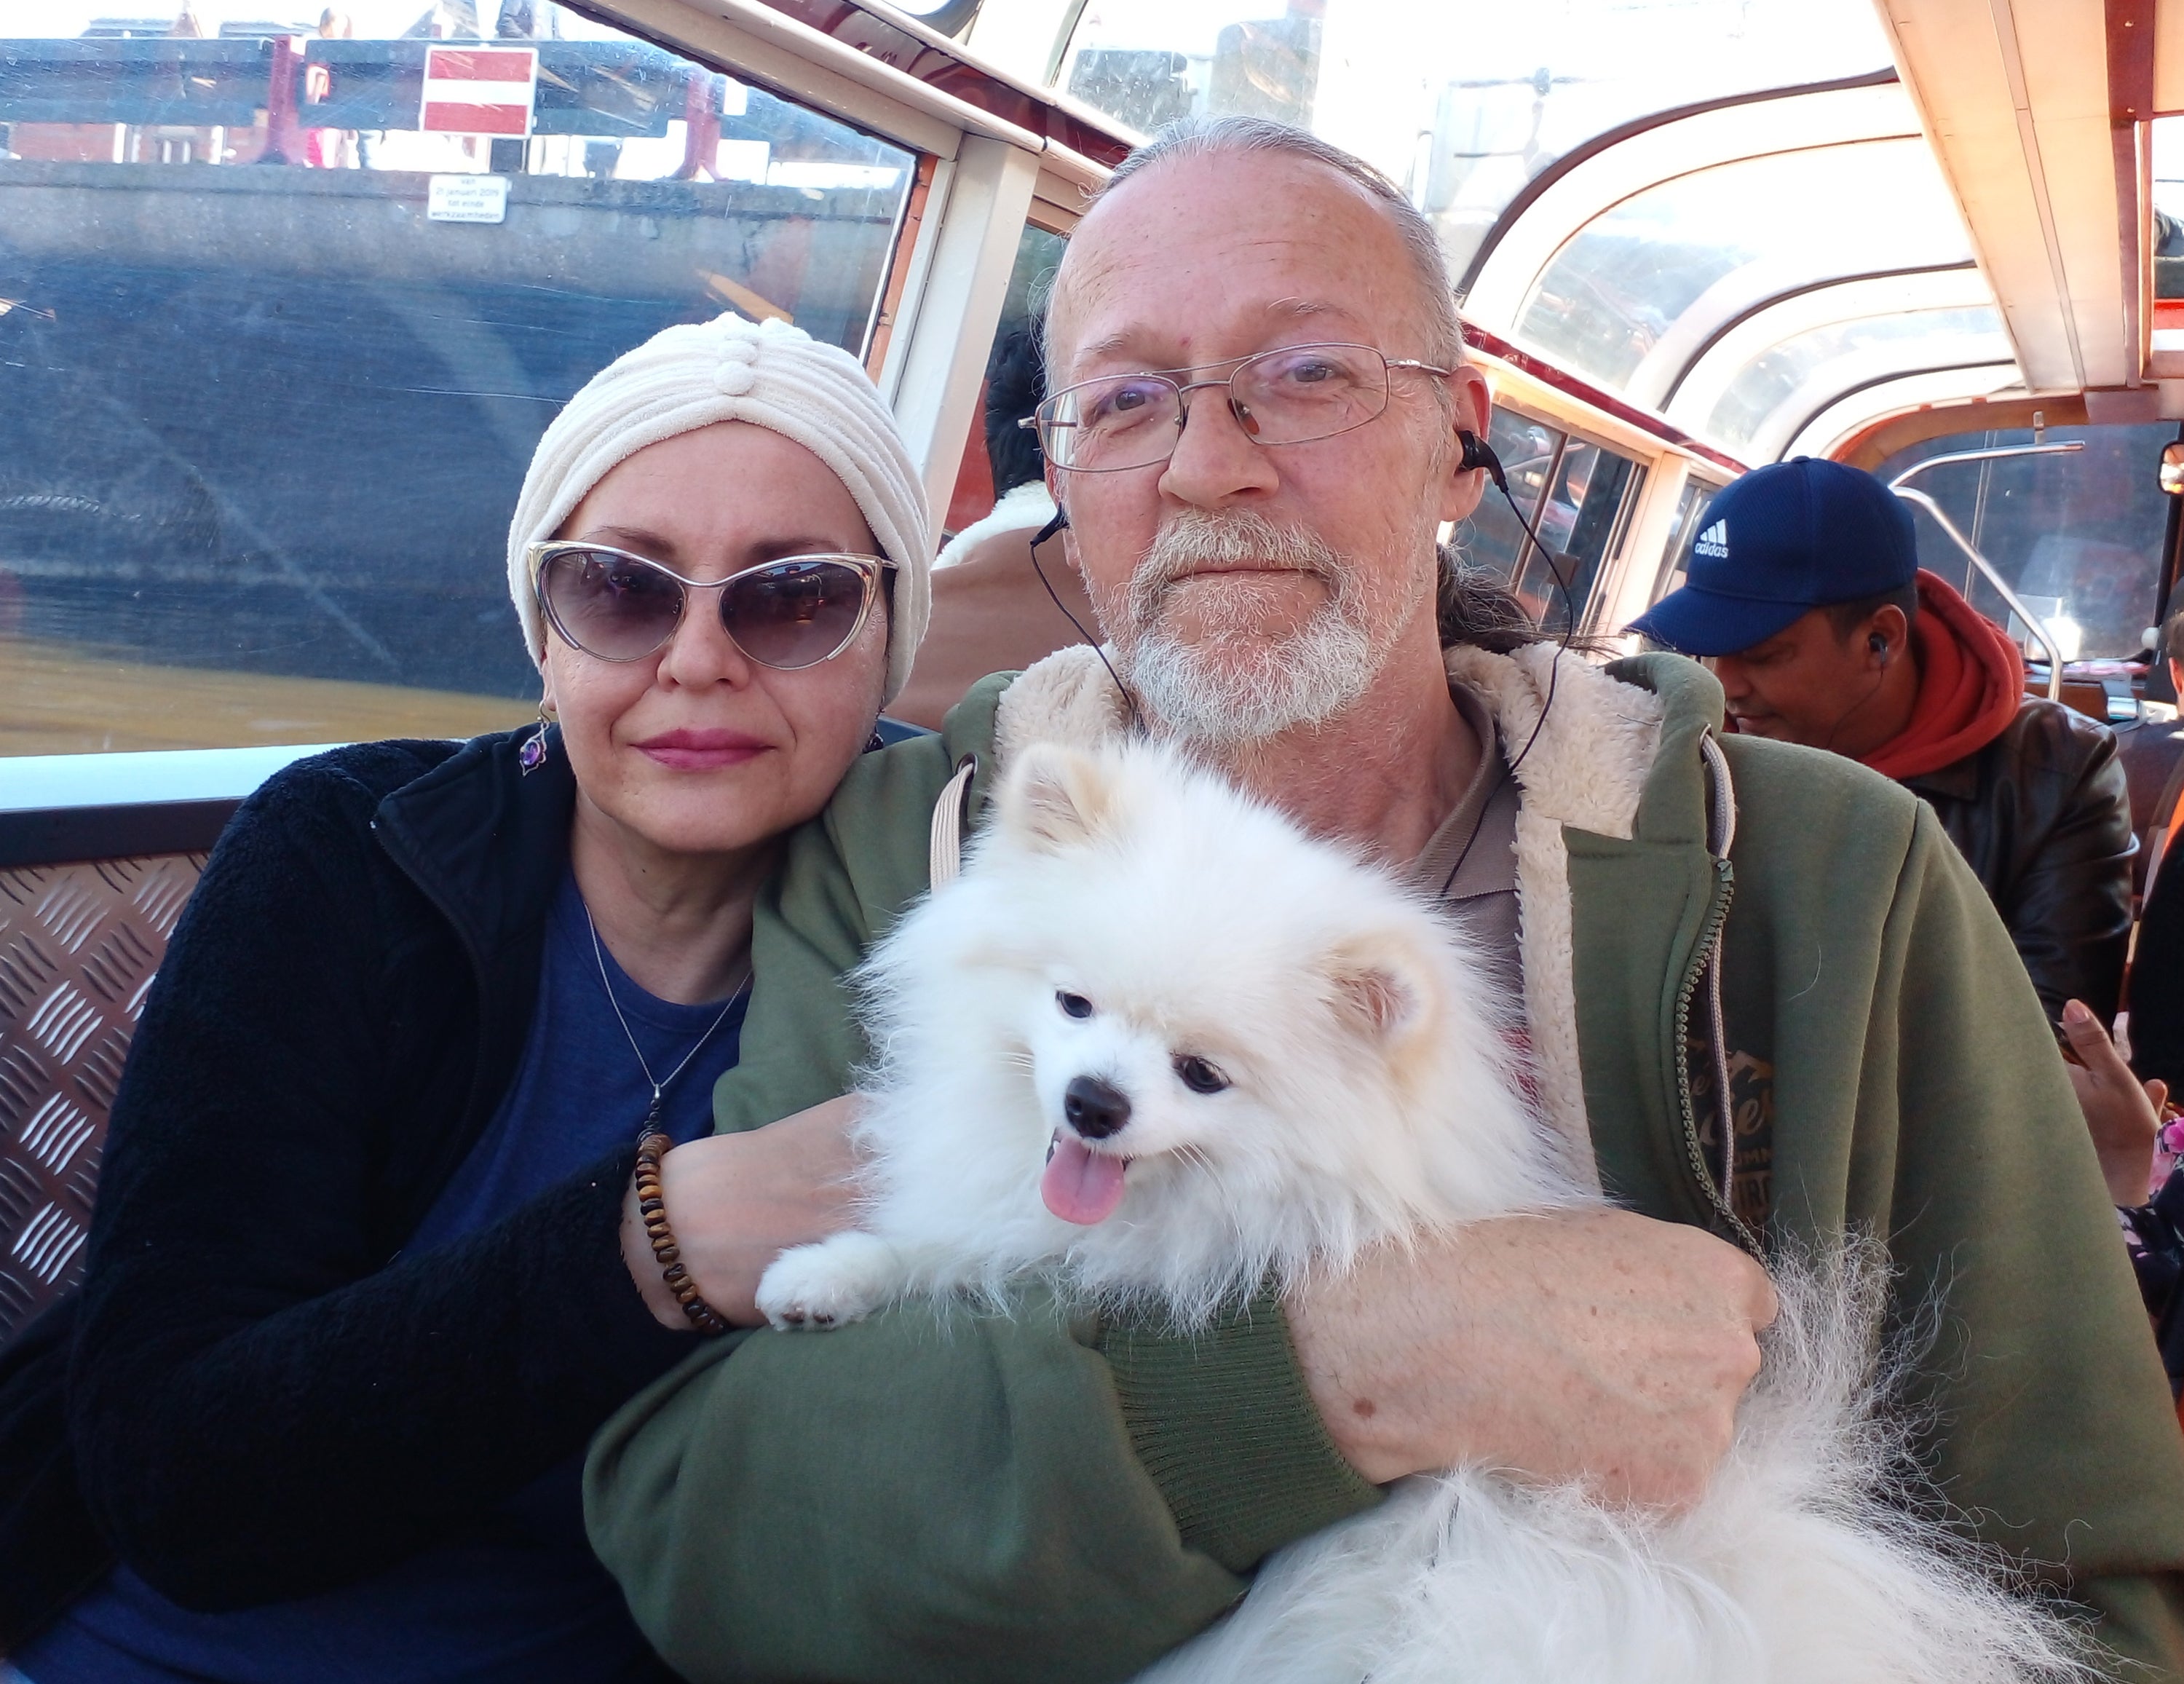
x: 2122, y: 1115
x: 738, y: 1202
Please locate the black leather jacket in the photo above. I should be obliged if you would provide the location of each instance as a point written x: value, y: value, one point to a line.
x: 2043, y: 814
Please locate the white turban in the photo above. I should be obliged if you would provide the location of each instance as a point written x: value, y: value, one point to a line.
x: 769, y: 374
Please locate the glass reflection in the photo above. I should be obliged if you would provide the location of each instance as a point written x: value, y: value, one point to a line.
x: 1698, y: 241
x: 1774, y: 395
x: 2167, y: 137
x: 1463, y: 104
x: 1683, y: 527
x: 2078, y: 536
x: 1579, y: 498
x: 261, y: 428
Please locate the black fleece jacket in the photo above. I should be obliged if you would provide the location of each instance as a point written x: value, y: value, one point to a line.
x: 265, y: 1398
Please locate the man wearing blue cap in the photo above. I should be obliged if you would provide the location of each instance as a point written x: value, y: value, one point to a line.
x: 1805, y: 596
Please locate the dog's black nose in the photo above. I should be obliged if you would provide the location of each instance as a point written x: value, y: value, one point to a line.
x: 1095, y: 1108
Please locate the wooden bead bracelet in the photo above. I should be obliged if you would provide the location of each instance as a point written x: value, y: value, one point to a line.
x: 653, y: 1207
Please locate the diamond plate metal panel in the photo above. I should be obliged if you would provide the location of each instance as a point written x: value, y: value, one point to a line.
x: 78, y: 947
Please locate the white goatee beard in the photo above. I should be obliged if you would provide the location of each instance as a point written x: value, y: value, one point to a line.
x: 1231, y: 686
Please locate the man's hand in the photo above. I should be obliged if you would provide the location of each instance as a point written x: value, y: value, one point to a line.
x: 1595, y: 1346
x: 2122, y: 1114
x: 738, y: 1202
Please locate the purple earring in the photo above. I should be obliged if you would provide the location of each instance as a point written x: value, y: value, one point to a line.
x: 532, y: 755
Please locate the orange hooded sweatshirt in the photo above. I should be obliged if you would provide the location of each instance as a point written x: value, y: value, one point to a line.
x: 1972, y: 682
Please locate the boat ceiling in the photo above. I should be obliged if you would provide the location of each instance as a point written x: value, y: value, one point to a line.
x: 1771, y: 222
x: 1774, y: 224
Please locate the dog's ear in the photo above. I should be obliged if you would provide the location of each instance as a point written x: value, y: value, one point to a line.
x: 1381, y: 986
x: 1055, y: 798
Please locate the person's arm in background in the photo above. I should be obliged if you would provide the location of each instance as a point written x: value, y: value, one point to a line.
x: 2124, y: 1116
x: 2157, y: 980
x: 2068, y: 910
x: 261, y: 1405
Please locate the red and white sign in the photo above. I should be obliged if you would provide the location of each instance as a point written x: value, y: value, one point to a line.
x: 479, y: 89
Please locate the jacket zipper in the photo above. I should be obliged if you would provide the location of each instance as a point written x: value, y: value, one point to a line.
x: 1694, y: 1150
x: 470, y: 952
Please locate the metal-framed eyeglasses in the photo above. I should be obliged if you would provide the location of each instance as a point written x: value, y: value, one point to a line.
x: 787, y: 614
x: 1291, y: 395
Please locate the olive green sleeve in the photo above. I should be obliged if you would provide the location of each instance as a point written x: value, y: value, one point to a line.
x: 1903, y: 1083
x: 2056, y: 1433
x: 933, y: 1496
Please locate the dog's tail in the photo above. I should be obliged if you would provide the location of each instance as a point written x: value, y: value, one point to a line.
x: 1860, y: 1547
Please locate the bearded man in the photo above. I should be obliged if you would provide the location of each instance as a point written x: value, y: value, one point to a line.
x: 1257, y: 430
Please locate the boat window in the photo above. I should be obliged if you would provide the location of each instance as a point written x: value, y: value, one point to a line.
x: 283, y: 311
x: 1461, y: 106
x: 1013, y: 382
x: 2168, y: 146
x: 1685, y: 525
x: 1577, y: 495
x: 1733, y: 235
x: 2077, y: 537
x: 1771, y: 398
x: 1491, y: 539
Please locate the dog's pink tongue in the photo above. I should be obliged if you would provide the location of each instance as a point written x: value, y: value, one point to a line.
x: 1081, y: 1185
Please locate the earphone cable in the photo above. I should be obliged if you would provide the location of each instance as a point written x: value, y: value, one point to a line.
x: 1479, y: 449
x: 1061, y: 520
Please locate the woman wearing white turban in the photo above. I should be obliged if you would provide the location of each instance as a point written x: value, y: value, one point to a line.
x: 358, y: 1291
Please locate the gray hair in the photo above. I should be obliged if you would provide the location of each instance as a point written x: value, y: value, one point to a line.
x: 1474, y: 606
x: 1211, y: 136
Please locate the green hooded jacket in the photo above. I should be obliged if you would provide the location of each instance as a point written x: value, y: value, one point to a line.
x: 934, y: 1495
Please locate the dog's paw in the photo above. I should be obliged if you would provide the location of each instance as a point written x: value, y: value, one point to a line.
x: 841, y: 1279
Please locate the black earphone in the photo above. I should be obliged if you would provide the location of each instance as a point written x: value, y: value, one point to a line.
x: 1877, y: 644
x: 1478, y: 453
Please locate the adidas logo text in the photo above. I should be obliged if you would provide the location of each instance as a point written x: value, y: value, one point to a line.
x: 1714, y: 542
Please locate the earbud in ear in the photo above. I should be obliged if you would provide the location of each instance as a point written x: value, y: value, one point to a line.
x: 1879, y: 645
x: 1061, y: 520
x: 1478, y: 453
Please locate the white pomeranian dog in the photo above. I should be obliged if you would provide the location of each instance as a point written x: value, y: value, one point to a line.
x: 1158, y: 1046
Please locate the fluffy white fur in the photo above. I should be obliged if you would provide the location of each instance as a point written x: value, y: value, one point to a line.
x: 1372, y: 1094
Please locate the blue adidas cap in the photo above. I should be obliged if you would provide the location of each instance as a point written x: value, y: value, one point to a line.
x: 1777, y: 543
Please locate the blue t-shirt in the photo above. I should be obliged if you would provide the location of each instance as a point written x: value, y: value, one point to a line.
x: 520, y: 1596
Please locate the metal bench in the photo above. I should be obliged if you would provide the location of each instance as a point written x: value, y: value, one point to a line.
x: 99, y: 853
x: 78, y: 947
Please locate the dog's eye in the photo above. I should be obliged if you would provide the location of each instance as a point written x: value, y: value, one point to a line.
x: 1073, y: 1005
x: 1199, y: 1076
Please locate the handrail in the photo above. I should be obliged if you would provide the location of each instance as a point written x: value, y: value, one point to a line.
x: 2016, y: 605
x: 2039, y: 627
x: 1992, y: 454
x: 57, y: 808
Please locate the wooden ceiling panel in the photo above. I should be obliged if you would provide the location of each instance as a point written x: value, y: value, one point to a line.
x: 2081, y: 151
x: 2169, y: 57
x: 2015, y: 98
